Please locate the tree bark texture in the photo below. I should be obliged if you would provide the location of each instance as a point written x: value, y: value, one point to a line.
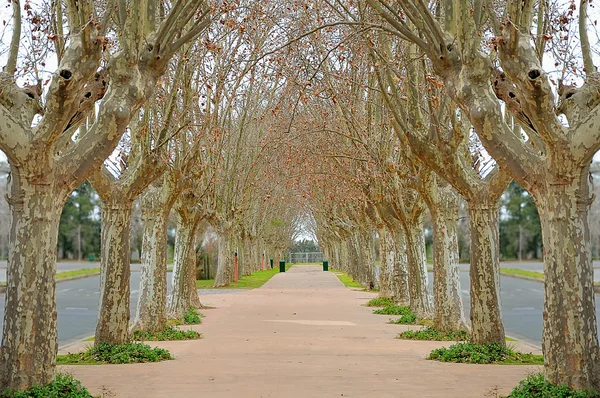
x: 420, y: 300
x: 569, y: 343
x: 448, y: 305
x: 183, y: 293
x: 113, y: 317
x: 156, y: 206
x: 29, y: 339
x: 486, y: 313
x: 400, y: 270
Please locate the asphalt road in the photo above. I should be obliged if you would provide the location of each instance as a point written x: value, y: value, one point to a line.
x: 522, y: 306
x: 77, y: 306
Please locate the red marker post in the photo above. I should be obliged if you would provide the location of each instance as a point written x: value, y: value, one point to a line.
x: 235, y: 267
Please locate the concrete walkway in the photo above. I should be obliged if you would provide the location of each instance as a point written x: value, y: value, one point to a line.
x: 303, y: 334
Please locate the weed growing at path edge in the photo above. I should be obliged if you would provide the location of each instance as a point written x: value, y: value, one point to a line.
x: 192, y: 317
x: 484, y: 353
x: 537, y: 386
x: 409, y: 319
x: 170, y: 333
x: 429, y: 333
x: 393, y: 310
x: 380, y: 302
x: 64, y: 386
x: 106, y: 353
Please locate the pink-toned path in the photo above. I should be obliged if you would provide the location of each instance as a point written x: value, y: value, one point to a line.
x: 303, y: 334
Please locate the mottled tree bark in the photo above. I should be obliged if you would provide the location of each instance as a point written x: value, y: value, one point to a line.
x: 157, y: 202
x: 29, y: 340
x: 113, y: 316
x: 386, y: 255
x: 486, y: 313
x: 184, y: 295
x: 569, y: 339
x: 420, y: 300
x: 400, y: 270
x: 442, y: 201
x: 225, y: 267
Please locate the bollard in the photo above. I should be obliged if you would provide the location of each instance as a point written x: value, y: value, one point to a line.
x: 235, y: 268
x: 271, y: 261
x: 281, y: 265
x: 325, y: 265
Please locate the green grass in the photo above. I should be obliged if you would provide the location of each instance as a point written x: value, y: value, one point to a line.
x: 536, y: 385
x: 510, y: 339
x: 393, y: 310
x: 493, y: 353
x: 192, y: 317
x: 380, y: 302
x: 253, y: 281
x: 522, y: 272
x: 408, y: 319
x: 77, y: 272
x: 106, y: 353
x: 168, y: 334
x: 346, y: 279
x: 434, y: 335
x: 63, y: 386
x: 71, y: 274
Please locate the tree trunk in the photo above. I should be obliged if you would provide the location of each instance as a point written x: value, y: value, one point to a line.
x: 400, y: 268
x: 183, y: 293
x: 448, y: 306
x: 570, y: 337
x: 225, y: 267
x: 113, y: 316
x: 486, y: 314
x: 150, y: 314
x: 29, y: 338
x: 386, y: 263
x: 420, y: 300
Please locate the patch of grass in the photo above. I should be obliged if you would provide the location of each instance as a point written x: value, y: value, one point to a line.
x: 105, y: 353
x: 77, y: 272
x: 346, y: 279
x: 484, y: 353
x: 168, y: 334
x: 63, y: 386
x: 536, y: 385
x: 393, y: 310
x: 92, y: 338
x: 380, y: 302
x: 192, y: 317
x: 510, y: 339
x: 433, y: 334
x: 71, y: 274
x: 522, y: 272
x: 253, y: 281
x: 409, y: 319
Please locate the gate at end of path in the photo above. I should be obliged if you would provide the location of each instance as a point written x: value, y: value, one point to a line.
x: 305, y: 258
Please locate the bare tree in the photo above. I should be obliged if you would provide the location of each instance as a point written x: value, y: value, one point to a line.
x: 46, y: 165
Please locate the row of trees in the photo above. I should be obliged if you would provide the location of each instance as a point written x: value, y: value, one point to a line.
x: 368, y: 116
x: 79, y: 229
x: 168, y: 104
x: 420, y: 103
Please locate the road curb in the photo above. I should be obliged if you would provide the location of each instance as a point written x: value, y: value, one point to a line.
x: 529, y: 278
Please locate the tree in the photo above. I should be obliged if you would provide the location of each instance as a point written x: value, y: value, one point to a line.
x: 46, y: 165
x: 548, y: 157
